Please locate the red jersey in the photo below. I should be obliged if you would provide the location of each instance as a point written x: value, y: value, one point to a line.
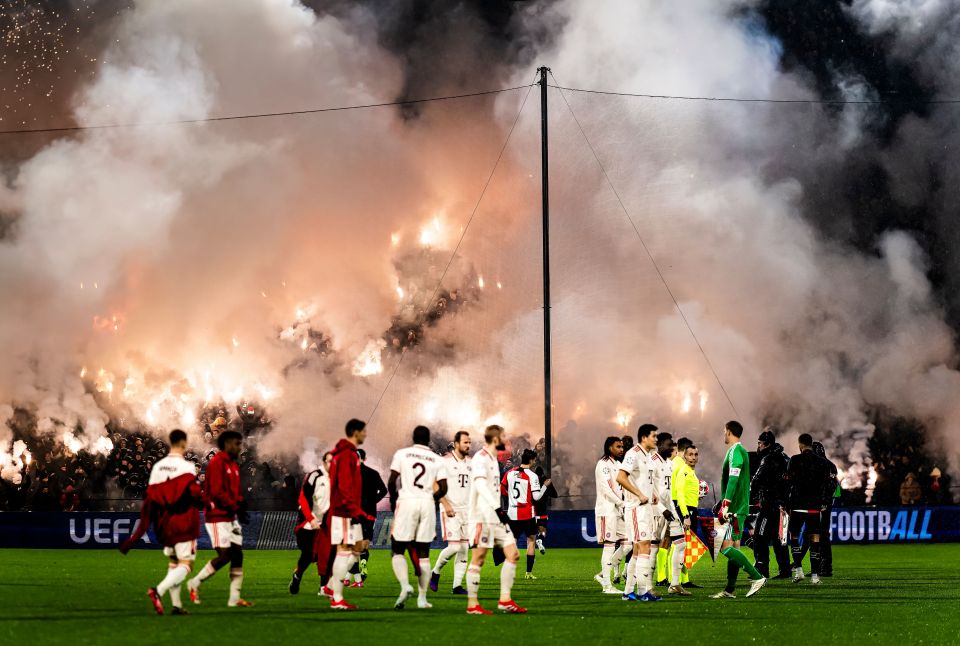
x: 522, y: 488
x: 345, y: 482
x: 221, y: 491
x: 172, y: 504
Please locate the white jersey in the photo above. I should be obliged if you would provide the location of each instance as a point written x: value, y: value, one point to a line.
x: 320, y: 481
x: 484, y: 487
x: 662, y: 477
x: 458, y: 481
x: 170, y: 467
x: 609, y: 491
x: 419, y: 469
x: 642, y: 473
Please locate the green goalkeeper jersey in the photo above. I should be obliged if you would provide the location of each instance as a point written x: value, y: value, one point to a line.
x: 735, y: 481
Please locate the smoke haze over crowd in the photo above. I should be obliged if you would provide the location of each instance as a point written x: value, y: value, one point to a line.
x: 147, y: 270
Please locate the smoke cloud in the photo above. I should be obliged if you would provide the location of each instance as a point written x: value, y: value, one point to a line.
x: 147, y: 270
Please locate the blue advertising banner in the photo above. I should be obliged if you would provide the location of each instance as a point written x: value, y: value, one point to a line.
x: 274, y: 530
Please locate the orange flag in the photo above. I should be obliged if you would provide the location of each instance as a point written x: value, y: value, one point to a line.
x: 693, y: 550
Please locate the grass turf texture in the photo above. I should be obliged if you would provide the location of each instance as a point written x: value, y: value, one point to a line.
x: 880, y: 594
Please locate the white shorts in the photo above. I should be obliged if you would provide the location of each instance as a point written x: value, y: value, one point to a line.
x: 224, y: 534
x: 344, y: 531
x: 414, y: 520
x: 488, y: 535
x: 186, y: 551
x: 454, y: 530
x: 610, y: 527
x: 664, y: 529
x: 639, y: 523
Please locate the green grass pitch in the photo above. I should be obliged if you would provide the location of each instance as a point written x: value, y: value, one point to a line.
x: 881, y: 594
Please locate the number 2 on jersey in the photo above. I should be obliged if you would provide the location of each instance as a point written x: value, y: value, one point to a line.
x: 423, y: 469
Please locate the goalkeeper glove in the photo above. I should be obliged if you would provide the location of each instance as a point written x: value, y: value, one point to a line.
x: 503, y: 516
x: 723, y: 510
x: 668, y: 515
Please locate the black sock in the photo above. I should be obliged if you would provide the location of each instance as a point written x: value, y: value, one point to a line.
x: 797, y: 555
x: 530, y: 559
x: 732, y: 571
x: 815, y: 558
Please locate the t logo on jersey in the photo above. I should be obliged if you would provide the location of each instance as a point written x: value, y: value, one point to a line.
x: 462, y: 479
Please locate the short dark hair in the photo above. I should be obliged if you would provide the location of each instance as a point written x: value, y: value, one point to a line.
x: 663, y: 436
x: 805, y: 439
x: 362, y: 454
x: 684, y: 443
x: 527, y: 456
x: 645, y: 430
x: 735, y: 428
x: 421, y: 435
x: 608, y: 444
x: 459, y: 434
x: 492, y: 431
x: 226, y: 436
x: 355, y: 425
x: 324, y: 458
x: 689, y: 446
x: 177, y: 436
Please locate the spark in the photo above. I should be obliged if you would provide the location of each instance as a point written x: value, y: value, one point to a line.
x: 394, y: 239
x: 236, y: 343
x: 704, y: 397
x: 369, y: 362
x: 263, y: 293
x: 687, y: 404
x: 400, y: 293
x: 623, y: 417
x: 83, y: 372
x: 303, y: 344
x: 499, y: 286
x: 480, y: 282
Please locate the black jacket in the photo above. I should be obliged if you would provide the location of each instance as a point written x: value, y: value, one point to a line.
x: 768, y: 484
x: 809, y: 481
x: 373, y: 490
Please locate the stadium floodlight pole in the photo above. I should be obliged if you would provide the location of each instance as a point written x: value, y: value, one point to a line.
x: 545, y: 192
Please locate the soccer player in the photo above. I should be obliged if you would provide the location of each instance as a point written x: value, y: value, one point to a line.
x: 608, y: 510
x: 453, y: 520
x: 172, y: 505
x: 826, y: 545
x: 767, y: 486
x: 372, y: 491
x: 522, y: 488
x: 667, y: 525
x: 637, y: 476
x: 346, y: 533
x: 489, y: 525
x: 685, y: 488
x: 733, y: 509
x: 415, y: 511
x: 312, y: 507
x: 810, y: 490
x: 223, y: 510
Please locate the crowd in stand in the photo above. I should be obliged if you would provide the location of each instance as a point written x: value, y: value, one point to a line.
x: 58, y: 479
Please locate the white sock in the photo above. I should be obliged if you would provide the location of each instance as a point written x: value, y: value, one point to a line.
x: 175, y: 596
x: 175, y: 577
x: 341, y: 566
x: 507, y: 573
x: 473, y: 581
x: 400, y: 570
x: 642, y: 566
x: 676, y: 562
x: 631, y: 576
x: 205, y: 572
x: 460, y: 565
x: 617, y: 557
x: 447, y: 553
x: 424, y: 577
x: 236, y: 582
x: 606, y: 563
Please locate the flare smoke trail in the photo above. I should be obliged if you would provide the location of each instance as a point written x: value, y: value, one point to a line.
x: 195, y: 262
